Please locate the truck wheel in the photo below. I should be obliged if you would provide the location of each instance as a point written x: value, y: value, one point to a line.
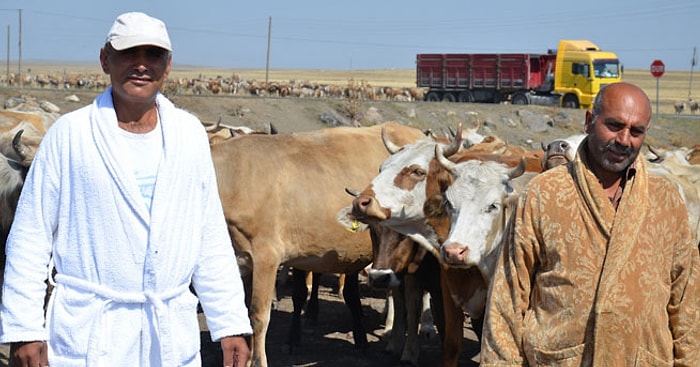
x: 432, y: 97
x: 448, y: 97
x: 465, y: 96
x: 570, y: 101
x: 520, y: 99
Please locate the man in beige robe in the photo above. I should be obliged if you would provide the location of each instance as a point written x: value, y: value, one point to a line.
x: 599, y: 266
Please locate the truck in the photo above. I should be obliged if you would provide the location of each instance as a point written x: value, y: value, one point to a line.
x: 569, y: 76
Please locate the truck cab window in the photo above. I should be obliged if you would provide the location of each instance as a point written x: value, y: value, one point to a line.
x: 606, y: 68
x: 580, y: 69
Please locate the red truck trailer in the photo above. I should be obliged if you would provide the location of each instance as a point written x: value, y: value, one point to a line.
x: 570, y: 76
x: 485, y: 77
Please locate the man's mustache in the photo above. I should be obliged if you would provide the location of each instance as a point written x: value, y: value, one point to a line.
x: 618, y: 148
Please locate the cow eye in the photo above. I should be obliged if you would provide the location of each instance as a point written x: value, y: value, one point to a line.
x: 419, y: 172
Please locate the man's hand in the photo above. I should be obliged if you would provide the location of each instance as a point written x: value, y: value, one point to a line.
x: 236, y: 351
x: 28, y: 354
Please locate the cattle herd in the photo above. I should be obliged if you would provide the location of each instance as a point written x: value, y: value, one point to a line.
x: 424, y: 212
x: 232, y: 85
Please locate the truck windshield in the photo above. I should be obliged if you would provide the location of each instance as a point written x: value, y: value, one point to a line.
x: 606, y: 68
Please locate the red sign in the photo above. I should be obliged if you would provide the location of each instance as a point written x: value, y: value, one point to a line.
x: 657, y: 68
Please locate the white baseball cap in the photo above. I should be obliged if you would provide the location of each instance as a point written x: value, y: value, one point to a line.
x: 138, y: 29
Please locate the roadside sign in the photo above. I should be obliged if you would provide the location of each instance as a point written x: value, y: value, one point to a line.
x: 657, y: 68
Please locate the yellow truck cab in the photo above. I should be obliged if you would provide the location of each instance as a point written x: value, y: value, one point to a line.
x: 582, y: 70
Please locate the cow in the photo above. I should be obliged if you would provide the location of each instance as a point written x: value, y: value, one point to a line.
x: 560, y: 151
x: 218, y: 131
x: 413, y: 278
x: 693, y: 105
x: 15, y: 159
x: 20, y: 135
x: 398, y: 198
x: 280, y: 195
x: 693, y: 155
x: 675, y: 168
x: 679, y: 107
x: 395, y: 197
x: 478, y: 203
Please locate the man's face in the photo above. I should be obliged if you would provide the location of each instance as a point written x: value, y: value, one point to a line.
x: 617, y: 134
x: 136, y: 73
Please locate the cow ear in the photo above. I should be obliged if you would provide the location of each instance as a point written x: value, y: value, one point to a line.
x: 348, y: 221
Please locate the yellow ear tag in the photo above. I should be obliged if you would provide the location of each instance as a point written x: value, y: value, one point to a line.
x: 355, y: 225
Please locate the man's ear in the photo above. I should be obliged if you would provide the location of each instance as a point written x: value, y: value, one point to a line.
x: 103, y: 61
x: 589, y: 122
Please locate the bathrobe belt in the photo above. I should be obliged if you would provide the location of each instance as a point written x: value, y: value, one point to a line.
x: 111, y: 297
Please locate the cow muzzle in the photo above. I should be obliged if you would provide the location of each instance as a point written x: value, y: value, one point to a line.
x: 455, y: 254
x: 366, y: 209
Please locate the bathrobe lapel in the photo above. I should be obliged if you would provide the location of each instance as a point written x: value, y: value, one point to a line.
x: 620, y: 228
x: 103, y: 121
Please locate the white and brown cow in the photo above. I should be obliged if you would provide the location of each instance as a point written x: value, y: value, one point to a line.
x: 478, y: 203
x: 281, y: 194
x: 398, y: 198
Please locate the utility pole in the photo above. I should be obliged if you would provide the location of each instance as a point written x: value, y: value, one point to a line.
x: 267, y: 61
x: 8, y: 53
x: 20, y: 50
x: 693, y: 61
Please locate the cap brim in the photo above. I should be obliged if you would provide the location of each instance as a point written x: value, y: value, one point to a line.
x: 123, y: 43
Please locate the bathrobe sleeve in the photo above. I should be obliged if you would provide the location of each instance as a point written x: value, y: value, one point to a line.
x: 217, y: 279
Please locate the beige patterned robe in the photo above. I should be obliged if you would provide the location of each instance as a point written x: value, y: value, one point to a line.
x: 580, y: 284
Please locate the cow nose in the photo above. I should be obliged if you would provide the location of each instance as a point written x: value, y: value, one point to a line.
x: 366, y: 208
x: 454, y: 253
x: 362, y: 202
x: 381, y: 279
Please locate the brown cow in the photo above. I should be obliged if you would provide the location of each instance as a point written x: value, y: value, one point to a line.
x: 281, y: 194
x: 408, y: 271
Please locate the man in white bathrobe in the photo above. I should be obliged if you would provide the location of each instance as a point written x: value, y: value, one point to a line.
x: 122, y: 202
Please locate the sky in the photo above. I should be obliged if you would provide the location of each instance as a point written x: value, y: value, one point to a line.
x: 356, y: 35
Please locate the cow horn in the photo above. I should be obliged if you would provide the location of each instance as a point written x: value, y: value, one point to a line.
x: 519, y: 170
x: 455, y: 144
x: 442, y: 158
x: 20, y: 148
x: 478, y: 124
x: 452, y: 132
x: 273, y: 129
x: 352, y: 192
x: 659, y: 156
x: 390, y: 146
x: 544, y: 147
x: 213, y: 127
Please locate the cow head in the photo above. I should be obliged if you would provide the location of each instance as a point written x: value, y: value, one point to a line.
x: 560, y: 151
x: 394, y: 254
x: 15, y: 158
x: 475, y: 203
x: 396, y: 195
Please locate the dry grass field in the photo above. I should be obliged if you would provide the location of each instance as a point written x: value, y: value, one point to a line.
x: 674, y: 86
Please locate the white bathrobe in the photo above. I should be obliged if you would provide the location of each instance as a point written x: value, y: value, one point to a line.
x: 122, y: 293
